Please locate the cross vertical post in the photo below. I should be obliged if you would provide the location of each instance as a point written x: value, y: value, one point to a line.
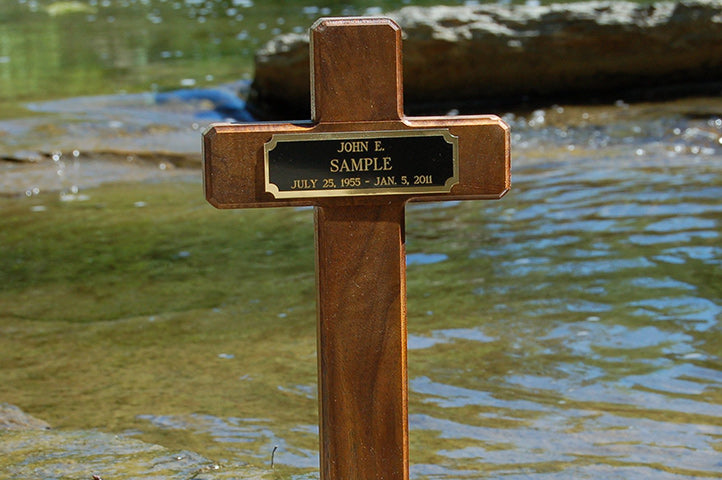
x: 358, y: 161
x: 360, y: 271
x: 362, y: 342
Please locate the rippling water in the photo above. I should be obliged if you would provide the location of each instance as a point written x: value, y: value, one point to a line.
x: 601, y: 277
x: 569, y: 330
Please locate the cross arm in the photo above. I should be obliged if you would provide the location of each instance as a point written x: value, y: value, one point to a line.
x: 233, y: 170
x: 234, y: 175
x: 484, y: 155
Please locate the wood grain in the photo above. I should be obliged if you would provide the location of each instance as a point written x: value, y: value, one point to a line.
x: 360, y: 272
x: 356, y: 84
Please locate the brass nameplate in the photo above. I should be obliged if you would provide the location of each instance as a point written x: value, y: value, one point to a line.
x: 361, y: 163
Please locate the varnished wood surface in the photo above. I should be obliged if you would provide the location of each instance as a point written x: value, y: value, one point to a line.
x: 356, y: 83
x: 356, y: 72
x: 360, y: 251
x: 360, y: 272
x: 234, y: 175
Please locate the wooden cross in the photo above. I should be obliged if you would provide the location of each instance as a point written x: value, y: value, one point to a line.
x: 358, y: 162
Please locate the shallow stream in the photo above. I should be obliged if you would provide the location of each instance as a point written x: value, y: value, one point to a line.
x: 571, y: 330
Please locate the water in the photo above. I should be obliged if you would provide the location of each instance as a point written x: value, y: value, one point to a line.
x: 571, y: 330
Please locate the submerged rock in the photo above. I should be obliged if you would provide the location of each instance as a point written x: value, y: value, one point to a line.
x: 12, y: 418
x: 500, y: 54
x: 82, y: 454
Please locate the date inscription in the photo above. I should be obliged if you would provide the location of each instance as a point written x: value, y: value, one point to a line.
x: 361, y: 163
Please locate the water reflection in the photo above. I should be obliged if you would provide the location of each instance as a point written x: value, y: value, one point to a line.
x: 597, y: 267
x: 255, y: 434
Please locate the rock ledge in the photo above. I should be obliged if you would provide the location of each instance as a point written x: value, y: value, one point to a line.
x: 487, y: 55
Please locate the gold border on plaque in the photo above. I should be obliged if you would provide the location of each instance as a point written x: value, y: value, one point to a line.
x: 277, y: 138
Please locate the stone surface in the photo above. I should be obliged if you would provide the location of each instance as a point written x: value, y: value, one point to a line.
x: 486, y: 55
x: 12, y: 418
